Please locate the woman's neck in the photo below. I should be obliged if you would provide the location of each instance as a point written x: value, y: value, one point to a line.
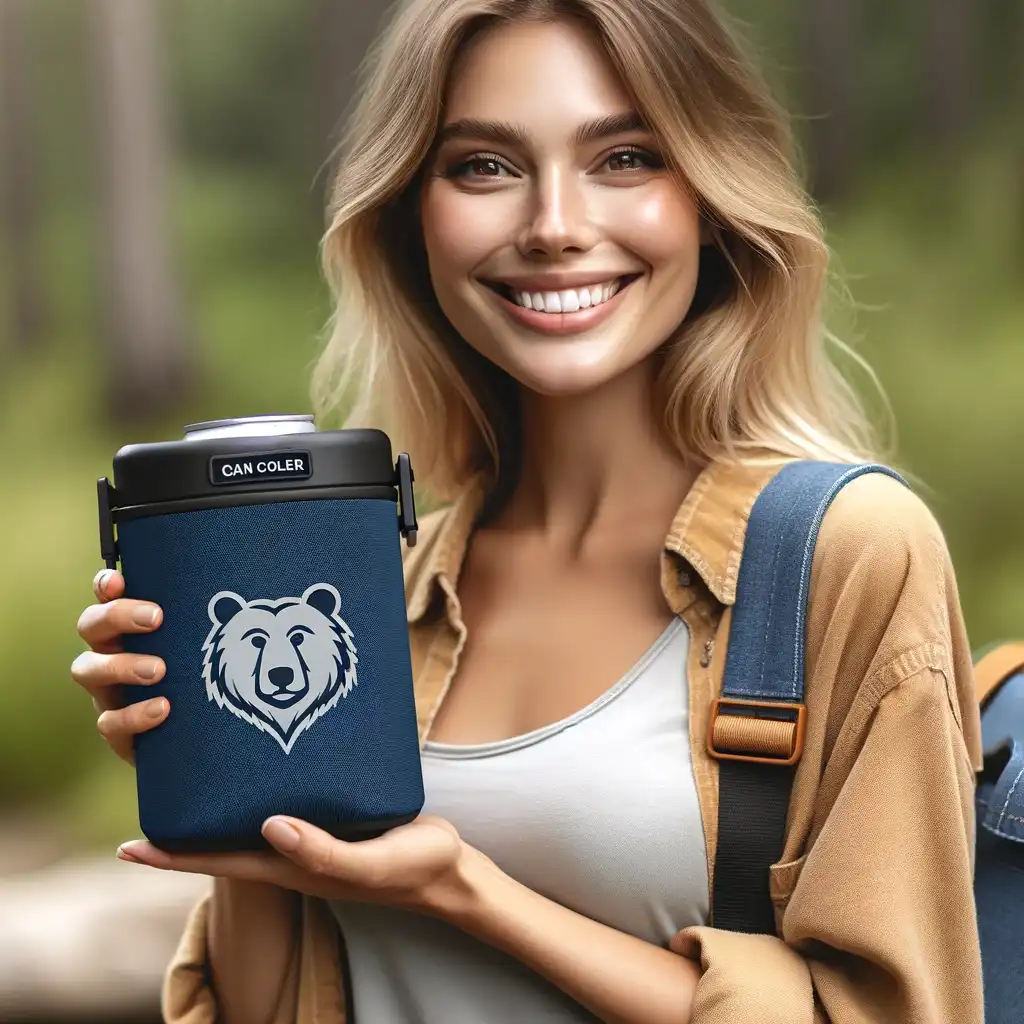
x: 595, y: 463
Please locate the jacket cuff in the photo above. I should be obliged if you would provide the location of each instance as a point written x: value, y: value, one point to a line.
x: 747, y: 979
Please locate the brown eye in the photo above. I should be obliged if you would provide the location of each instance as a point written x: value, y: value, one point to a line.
x: 480, y: 168
x: 486, y: 168
x: 631, y: 160
x: 623, y: 162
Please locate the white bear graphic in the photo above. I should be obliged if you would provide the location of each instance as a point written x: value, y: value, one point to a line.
x: 279, y: 665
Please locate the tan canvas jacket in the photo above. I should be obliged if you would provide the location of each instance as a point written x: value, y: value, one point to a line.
x: 873, y: 895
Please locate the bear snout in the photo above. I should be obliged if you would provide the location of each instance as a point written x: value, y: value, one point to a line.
x: 282, y: 687
x: 281, y: 676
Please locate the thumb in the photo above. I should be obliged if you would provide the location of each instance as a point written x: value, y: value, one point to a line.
x: 312, y: 848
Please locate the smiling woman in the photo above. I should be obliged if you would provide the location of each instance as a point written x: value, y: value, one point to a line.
x: 619, y: 144
x: 577, y: 277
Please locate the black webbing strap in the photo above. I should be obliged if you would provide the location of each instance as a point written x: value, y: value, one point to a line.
x: 753, y: 800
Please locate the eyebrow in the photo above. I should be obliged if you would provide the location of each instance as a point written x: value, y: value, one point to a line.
x: 517, y: 135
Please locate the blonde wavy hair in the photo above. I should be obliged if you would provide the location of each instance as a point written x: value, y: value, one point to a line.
x: 746, y: 373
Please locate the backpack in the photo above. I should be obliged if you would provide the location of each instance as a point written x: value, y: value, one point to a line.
x: 999, y: 854
x: 756, y: 731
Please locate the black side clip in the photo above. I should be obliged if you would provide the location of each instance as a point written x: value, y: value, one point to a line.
x: 108, y: 544
x: 406, y: 502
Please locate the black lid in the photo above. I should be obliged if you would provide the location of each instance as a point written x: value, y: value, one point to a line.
x: 214, y: 461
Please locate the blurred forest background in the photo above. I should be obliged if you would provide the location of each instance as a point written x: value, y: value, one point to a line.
x: 162, y: 168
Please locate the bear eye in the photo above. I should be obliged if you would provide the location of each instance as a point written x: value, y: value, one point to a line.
x: 259, y: 642
x: 296, y: 639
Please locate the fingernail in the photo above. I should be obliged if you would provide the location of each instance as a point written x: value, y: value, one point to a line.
x: 123, y: 853
x: 146, y: 667
x: 156, y: 708
x: 144, y: 617
x: 282, y: 835
x: 102, y: 578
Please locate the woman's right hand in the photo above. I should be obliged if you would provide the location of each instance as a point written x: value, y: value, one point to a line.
x: 105, y: 668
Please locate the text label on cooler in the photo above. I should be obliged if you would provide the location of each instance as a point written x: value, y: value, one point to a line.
x: 235, y: 469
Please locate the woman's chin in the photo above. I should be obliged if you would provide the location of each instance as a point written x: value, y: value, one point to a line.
x: 563, y: 366
x: 567, y: 380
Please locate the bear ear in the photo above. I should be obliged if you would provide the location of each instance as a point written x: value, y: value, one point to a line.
x: 324, y: 598
x: 224, y: 607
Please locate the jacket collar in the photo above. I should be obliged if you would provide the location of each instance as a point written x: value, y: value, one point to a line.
x: 446, y: 550
x: 707, y: 532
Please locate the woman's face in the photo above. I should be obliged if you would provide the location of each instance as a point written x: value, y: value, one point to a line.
x: 559, y: 246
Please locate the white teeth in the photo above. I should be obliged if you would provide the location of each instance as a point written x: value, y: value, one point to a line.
x: 569, y: 301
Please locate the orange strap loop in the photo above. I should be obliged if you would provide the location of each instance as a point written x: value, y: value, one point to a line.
x: 996, y: 667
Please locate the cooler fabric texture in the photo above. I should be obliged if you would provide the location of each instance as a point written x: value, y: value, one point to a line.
x: 208, y: 778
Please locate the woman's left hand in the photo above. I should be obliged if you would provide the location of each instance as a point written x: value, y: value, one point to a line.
x: 415, y: 866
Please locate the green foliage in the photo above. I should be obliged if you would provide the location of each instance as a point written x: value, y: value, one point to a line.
x: 228, y: 54
x: 933, y: 259
x: 256, y: 320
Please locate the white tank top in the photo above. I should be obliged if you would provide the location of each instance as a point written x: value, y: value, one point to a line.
x: 598, y: 812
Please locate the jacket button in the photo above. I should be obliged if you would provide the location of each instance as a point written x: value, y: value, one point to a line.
x: 709, y: 649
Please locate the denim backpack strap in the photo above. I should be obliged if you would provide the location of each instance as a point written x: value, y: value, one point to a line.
x: 999, y: 850
x: 756, y: 726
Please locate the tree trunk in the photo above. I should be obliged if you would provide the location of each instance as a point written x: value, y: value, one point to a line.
x: 949, y: 38
x: 831, y: 60
x: 147, y: 361
x: 18, y: 169
x: 1018, y: 126
x: 345, y: 30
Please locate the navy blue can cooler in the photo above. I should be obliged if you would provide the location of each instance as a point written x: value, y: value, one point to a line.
x: 276, y: 559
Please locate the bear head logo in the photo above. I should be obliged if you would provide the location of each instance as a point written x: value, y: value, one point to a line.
x: 279, y: 665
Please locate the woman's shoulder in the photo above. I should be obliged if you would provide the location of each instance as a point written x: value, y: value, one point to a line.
x: 877, y: 527
x: 882, y: 520
x: 882, y: 582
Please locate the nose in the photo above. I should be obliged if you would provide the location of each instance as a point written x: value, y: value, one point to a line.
x: 281, y: 676
x: 559, y: 223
